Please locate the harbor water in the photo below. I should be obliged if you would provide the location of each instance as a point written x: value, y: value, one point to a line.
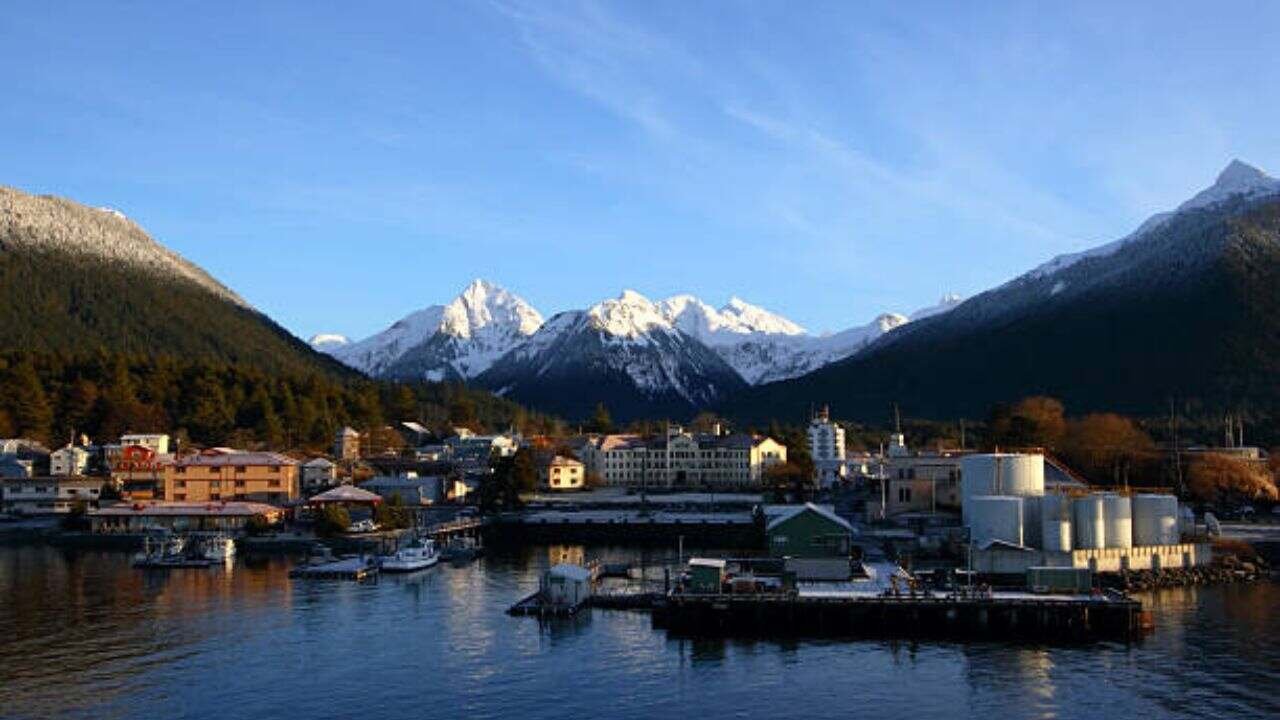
x: 84, y: 635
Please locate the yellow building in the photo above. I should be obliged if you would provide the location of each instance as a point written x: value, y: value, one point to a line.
x: 561, y: 473
x: 224, y: 474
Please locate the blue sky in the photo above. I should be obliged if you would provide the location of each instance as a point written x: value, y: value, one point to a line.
x: 340, y: 165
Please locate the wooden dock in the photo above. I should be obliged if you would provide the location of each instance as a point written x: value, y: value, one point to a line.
x: 353, y: 568
x: 1013, y: 617
x: 533, y: 605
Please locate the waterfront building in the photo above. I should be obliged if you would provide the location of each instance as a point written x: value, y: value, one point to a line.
x: 683, y: 459
x: 346, y: 445
x: 224, y: 474
x: 561, y: 473
x: 69, y: 461
x: 318, y: 473
x: 138, y: 472
x: 48, y: 495
x: 826, y: 447
x: 808, y: 531
x: 180, y: 516
x: 814, y: 541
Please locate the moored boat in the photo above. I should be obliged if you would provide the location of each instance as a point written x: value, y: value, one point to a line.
x: 418, y: 554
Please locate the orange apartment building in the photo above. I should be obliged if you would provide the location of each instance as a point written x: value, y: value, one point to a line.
x: 224, y: 474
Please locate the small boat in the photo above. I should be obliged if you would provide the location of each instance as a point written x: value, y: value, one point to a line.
x: 461, y: 550
x: 163, y: 549
x: 217, y: 547
x: 418, y: 554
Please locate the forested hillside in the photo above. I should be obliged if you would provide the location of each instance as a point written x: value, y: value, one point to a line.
x: 49, y: 396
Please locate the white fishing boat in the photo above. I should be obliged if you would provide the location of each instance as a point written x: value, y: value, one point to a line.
x: 417, y: 554
x: 163, y: 549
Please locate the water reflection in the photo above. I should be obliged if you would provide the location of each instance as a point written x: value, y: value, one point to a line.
x: 86, y: 635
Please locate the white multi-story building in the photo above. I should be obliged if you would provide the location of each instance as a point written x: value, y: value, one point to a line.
x: 826, y: 447
x: 68, y: 461
x: 48, y: 496
x: 681, y: 459
x: 157, y: 443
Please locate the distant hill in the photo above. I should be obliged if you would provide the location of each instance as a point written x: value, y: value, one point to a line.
x: 1187, y: 308
x: 77, y: 279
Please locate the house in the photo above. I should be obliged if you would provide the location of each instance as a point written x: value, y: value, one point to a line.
x: 48, y: 495
x: 318, y: 473
x: 477, y: 450
x: 346, y: 445
x: 12, y: 466
x: 410, y: 489
x: 561, y: 473
x: 220, y: 474
x: 181, y: 516
x: 69, y: 461
x: 157, y: 443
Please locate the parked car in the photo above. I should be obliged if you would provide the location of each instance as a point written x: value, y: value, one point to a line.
x: 362, y: 526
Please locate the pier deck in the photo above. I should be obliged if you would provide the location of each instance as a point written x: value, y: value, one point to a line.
x: 1004, y: 616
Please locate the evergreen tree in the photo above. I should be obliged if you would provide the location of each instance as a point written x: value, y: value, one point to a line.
x: 29, y: 407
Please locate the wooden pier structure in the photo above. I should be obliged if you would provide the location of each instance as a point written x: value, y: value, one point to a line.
x: 1012, y: 616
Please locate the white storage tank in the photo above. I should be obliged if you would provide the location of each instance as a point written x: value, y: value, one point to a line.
x: 1155, y: 520
x: 1119, y: 514
x: 1014, y: 474
x: 1055, y: 523
x: 995, y: 517
x: 1089, y: 522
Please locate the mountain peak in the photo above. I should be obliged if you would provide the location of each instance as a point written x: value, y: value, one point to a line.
x: 631, y: 297
x: 1236, y: 179
x: 1240, y: 174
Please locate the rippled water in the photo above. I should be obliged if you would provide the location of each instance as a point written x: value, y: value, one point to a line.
x: 84, y: 635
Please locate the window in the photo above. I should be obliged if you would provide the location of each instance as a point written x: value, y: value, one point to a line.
x: 240, y: 468
x: 904, y: 495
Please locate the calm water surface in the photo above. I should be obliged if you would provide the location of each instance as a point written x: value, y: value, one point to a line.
x: 84, y: 635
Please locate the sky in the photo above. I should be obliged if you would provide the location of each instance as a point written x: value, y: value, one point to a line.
x: 341, y: 164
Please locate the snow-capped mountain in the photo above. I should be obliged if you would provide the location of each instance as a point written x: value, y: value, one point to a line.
x: 766, y: 347
x: 1182, y: 309
x: 44, y: 223
x: 1238, y: 180
x: 624, y: 352
x: 459, y: 340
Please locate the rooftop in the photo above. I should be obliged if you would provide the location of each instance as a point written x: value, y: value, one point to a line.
x: 183, y: 509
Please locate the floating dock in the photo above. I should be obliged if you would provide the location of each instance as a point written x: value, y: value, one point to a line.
x: 345, y: 569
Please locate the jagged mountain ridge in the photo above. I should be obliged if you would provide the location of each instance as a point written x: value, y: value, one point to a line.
x: 1183, y: 309
x: 759, y: 345
x: 455, y: 341
x: 623, y: 352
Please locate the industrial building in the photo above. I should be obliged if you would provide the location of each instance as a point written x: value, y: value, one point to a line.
x: 1015, y: 525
